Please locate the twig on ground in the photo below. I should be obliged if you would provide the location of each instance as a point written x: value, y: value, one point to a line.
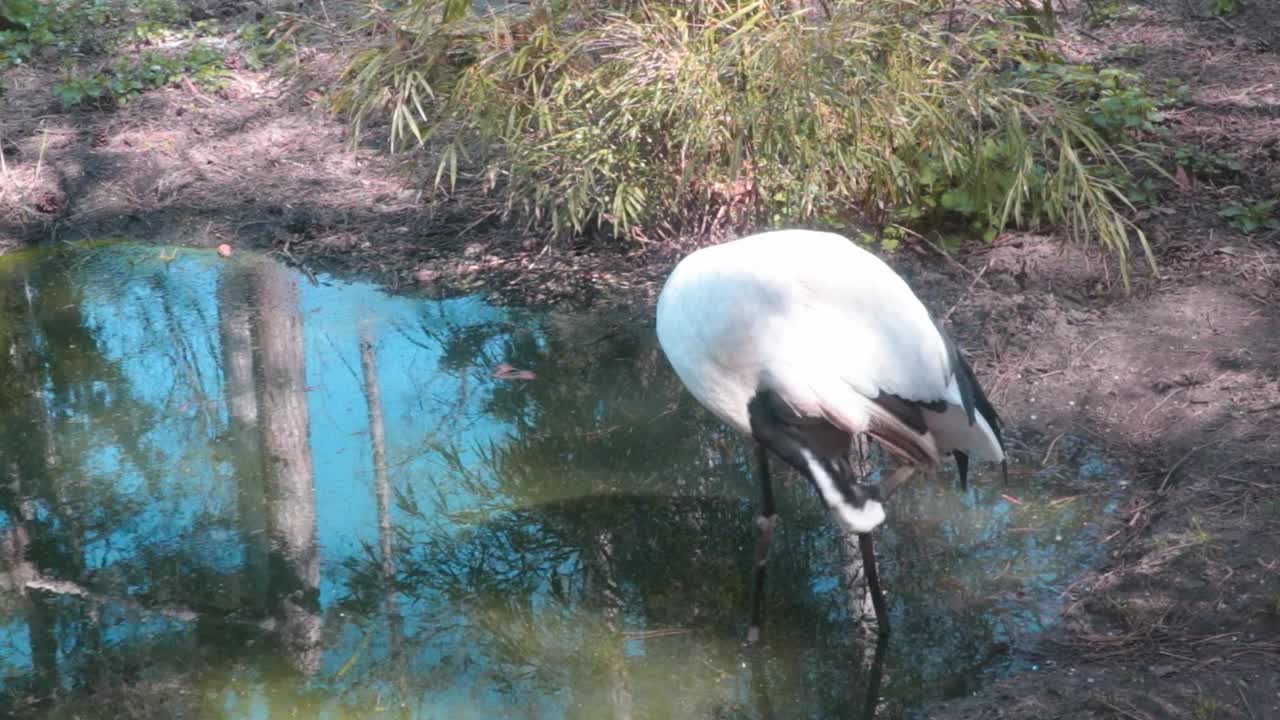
x: 933, y: 246
x: 1160, y: 404
x: 1049, y: 453
x: 298, y: 264
x: 1089, y: 347
x: 1245, y: 701
x: 1164, y: 483
x: 968, y: 291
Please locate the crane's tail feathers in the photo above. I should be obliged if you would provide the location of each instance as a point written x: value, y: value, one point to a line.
x: 836, y: 412
x: 899, y: 426
x: 975, y: 398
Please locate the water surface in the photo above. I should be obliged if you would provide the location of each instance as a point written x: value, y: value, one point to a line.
x: 232, y: 492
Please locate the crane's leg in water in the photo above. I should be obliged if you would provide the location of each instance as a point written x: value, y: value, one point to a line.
x: 873, y: 678
x: 873, y: 582
x: 765, y: 523
x: 900, y: 476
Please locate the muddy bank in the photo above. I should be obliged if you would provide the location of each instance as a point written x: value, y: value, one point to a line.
x: 1182, y: 381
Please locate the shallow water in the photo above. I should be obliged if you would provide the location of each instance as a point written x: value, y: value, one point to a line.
x: 206, y: 516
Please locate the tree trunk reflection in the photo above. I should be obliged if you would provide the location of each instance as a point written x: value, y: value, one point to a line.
x: 235, y: 331
x: 605, y: 586
x: 382, y: 493
x: 286, y: 450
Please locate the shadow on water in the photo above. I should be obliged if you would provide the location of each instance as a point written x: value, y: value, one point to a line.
x: 229, y: 492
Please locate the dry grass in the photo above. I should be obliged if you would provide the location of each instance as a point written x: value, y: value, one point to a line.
x: 26, y: 188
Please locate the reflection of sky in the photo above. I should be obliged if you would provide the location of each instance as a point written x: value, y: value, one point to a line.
x: 408, y: 377
x: 157, y: 324
x: 131, y: 324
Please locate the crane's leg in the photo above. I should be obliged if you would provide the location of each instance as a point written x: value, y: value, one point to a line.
x: 873, y: 582
x: 875, y: 673
x: 765, y: 523
x: 888, y: 486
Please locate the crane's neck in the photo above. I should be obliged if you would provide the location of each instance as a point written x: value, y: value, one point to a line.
x: 817, y: 449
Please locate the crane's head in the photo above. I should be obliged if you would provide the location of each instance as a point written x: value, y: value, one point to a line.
x: 861, y: 519
x: 819, y: 450
x: 856, y: 505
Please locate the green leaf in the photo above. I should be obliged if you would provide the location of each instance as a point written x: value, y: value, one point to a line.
x: 455, y: 10
x: 959, y: 201
x: 19, y: 12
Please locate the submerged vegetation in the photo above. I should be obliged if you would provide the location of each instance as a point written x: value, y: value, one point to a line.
x: 652, y: 120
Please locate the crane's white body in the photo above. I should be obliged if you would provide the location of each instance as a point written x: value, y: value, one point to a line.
x: 825, y: 324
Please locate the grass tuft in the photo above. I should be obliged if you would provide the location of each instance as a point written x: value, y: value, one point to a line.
x: 651, y: 120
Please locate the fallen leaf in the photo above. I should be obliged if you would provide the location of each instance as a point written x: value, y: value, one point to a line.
x: 507, y: 372
x: 1181, y: 179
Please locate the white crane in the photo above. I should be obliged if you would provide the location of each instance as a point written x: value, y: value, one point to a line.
x: 801, y: 340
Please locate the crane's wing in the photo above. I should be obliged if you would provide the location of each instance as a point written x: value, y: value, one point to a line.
x: 872, y: 359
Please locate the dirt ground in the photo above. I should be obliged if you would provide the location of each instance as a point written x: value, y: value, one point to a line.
x: 1180, y: 380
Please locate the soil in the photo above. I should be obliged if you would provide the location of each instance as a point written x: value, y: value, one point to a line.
x: 1179, y: 379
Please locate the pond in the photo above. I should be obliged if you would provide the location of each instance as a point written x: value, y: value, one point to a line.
x: 234, y: 491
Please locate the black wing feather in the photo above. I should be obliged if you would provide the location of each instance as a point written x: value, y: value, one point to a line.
x: 974, y: 399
